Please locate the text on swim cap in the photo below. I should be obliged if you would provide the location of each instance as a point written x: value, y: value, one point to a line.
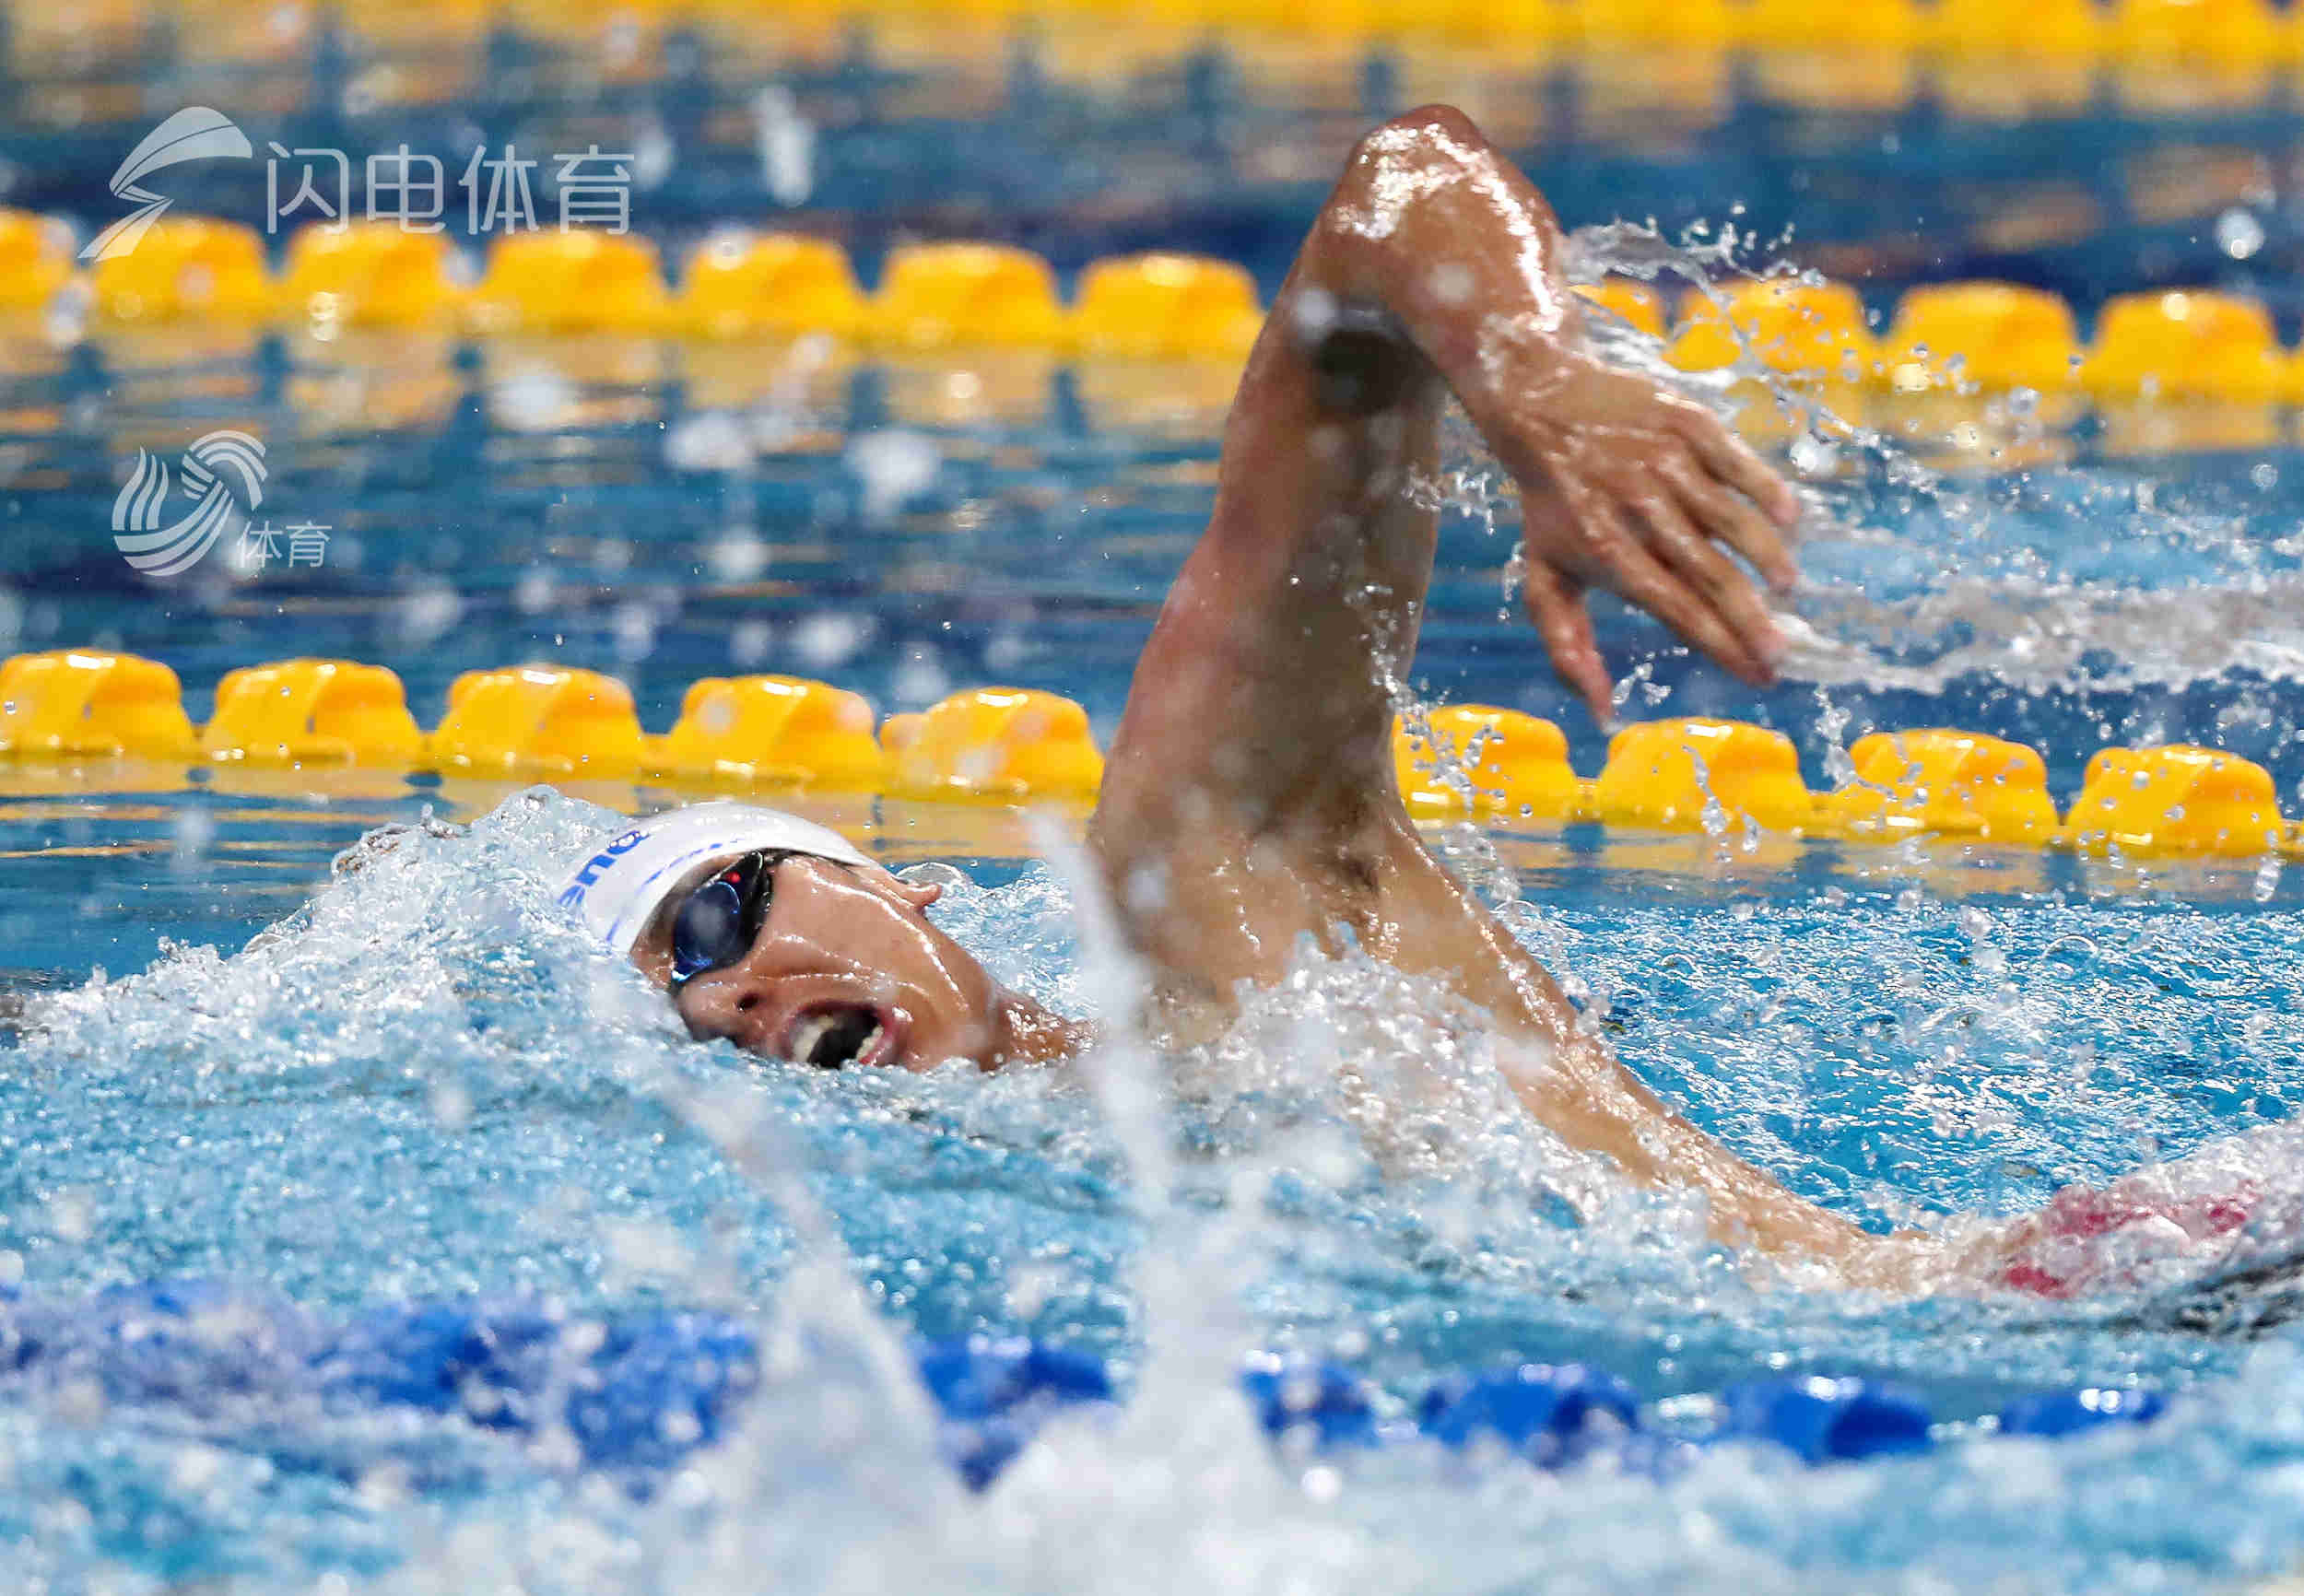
x: 596, y: 863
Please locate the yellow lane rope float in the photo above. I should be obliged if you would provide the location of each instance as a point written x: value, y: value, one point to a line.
x: 1015, y: 746
x: 1974, y: 338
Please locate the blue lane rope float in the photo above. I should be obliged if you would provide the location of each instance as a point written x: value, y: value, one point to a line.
x: 640, y: 1391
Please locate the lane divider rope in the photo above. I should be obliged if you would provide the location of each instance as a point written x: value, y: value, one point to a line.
x: 1946, y: 339
x: 63, y: 709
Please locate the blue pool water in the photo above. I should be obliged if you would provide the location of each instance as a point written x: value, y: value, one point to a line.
x: 420, y: 1112
x: 424, y: 1090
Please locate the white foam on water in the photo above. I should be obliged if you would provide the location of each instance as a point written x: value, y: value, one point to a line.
x: 1339, y: 1174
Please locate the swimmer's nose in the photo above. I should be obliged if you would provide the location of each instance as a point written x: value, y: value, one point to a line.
x: 731, y: 1003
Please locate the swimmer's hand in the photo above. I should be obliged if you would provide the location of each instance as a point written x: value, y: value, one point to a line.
x: 1626, y: 484
x: 1628, y: 487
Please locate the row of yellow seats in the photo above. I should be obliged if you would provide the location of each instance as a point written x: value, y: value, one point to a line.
x: 747, y: 286
x: 2174, y: 344
x: 2209, y: 32
x: 1013, y: 744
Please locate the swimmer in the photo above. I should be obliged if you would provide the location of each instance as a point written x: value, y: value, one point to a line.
x: 1250, y: 798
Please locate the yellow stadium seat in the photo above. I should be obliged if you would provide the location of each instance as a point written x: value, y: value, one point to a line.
x: 581, y: 281
x: 2175, y: 800
x: 1945, y: 783
x: 1493, y: 763
x: 1007, y: 743
x: 1993, y: 334
x: 2185, y: 345
x: 1703, y: 775
x: 186, y: 269
x: 91, y: 703
x: 538, y: 721
x: 330, y: 711
x: 773, y: 285
x: 773, y: 731
x: 1166, y: 306
x: 368, y: 275
x: 35, y: 260
x: 933, y: 295
x: 1797, y: 329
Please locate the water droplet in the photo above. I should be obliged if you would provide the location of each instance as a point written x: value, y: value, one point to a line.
x: 894, y: 466
x: 1812, y: 456
x: 2239, y: 233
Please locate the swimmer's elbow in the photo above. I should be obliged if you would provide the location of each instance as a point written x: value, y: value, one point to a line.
x: 1435, y: 127
x: 1429, y: 177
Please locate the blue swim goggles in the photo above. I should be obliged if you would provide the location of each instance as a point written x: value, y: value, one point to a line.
x: 718, y: 921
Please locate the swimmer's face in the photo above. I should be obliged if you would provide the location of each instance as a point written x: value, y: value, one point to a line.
x: 846, y: 970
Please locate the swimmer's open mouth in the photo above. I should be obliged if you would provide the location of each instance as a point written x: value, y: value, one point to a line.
x: 833, y: 1035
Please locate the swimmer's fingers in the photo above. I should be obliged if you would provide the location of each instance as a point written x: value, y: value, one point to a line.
x: 1729, y: 516
x: 1638, y: 577
x: 1730, y: 462
x: 1556, y: 604
x: 1714, y: 580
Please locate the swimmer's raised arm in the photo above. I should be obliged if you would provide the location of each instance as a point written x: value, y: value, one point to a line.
x: 1434, y: 268
x: 1250, y: 802
x: 1439, y: 241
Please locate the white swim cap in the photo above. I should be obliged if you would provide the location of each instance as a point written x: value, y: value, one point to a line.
x: 617, y: 889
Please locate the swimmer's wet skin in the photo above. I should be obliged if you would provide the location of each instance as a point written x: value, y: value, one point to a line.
x: 1249, y: 799
x: 778, y: 934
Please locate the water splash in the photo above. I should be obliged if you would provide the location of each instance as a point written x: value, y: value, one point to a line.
x: 428, y: 1045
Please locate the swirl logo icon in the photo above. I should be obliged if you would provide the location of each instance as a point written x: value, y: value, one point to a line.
x: 195, y: 133
x: 224, y: 473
